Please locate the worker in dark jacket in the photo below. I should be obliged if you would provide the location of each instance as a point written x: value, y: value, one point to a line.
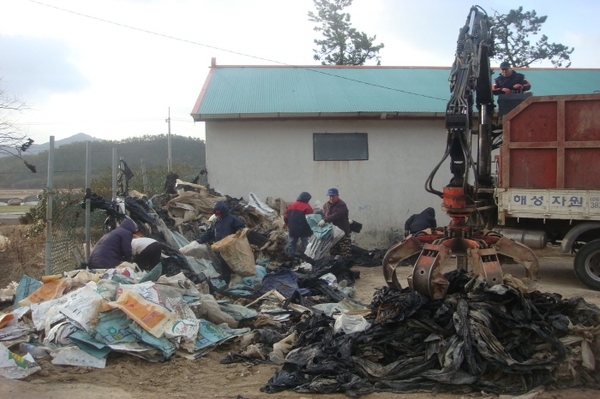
x: 114, y: 247
x: 225, y: 224
x: 420, y: 221
x: 336, y: 212
x: 298, y: 228
x: 510, y: 81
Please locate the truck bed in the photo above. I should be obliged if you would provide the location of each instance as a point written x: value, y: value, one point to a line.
x: 550, y: 159
x: 552, y: 142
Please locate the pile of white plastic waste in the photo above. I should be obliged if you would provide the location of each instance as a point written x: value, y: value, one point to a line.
x: 79, y: 317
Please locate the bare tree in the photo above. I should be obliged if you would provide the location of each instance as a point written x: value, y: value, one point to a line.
x: 12, y: 140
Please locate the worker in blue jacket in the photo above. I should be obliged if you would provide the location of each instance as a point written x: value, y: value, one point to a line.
x: 224, y: 224
x: 420, y: 221
x: 114, y: 247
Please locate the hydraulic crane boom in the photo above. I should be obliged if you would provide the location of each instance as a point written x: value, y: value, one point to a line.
x: 470, y: 75
x: 476, y: 250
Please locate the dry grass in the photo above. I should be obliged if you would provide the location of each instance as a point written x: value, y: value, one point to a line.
x: 15, y: 208
x: 24, y: 255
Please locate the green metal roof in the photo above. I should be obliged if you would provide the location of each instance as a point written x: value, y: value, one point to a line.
x: 265, y: 91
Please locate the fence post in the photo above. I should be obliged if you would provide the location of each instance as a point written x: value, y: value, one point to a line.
x: 144, y: 178
x: 88, y: 193
x: 114, y: 174
x: 50, y: 194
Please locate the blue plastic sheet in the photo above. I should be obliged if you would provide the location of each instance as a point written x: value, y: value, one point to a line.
x: 88, y: 344
x: 285, y: 281
x: 166, y: 347
x: 113, y: 328
x: 321, y: 232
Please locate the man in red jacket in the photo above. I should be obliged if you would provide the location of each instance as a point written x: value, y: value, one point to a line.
x: 298, y: 228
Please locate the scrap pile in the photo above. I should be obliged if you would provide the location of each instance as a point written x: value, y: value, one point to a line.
x: 501, y: 339
x: 80, y: 317
x: 179, y: 308
x: 298, y: 314
x: 188, y: 210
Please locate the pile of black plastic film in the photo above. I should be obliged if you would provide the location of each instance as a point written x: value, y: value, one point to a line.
x: 498, y: 340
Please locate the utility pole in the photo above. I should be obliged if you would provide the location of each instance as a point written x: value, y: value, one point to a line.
x: 169, y: 142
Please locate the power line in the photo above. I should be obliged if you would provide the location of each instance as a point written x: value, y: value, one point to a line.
x: 234, y: 52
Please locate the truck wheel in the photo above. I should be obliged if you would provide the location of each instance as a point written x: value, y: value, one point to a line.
x: 587, y: 264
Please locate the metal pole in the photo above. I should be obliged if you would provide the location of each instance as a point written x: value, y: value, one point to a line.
x: 145, y: 178
x: 49, y: 193
x: 88, y: 193
x: 484, y: 157
x: 114, y: 174
x: 169, y: 158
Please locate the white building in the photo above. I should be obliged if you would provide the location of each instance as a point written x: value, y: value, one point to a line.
x: 375, y: 133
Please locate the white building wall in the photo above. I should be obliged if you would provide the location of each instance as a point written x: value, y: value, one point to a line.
x: 275, y: 159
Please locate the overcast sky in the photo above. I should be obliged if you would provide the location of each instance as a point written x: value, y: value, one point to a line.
x: 79, y: 73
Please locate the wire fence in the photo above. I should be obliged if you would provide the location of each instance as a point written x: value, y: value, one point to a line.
x: 68, y: 231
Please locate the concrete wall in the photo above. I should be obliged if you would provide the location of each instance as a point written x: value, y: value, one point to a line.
x: 275, y: 159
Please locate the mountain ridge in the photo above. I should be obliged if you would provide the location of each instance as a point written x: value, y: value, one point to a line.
x: 70, y: 160
x: 37, y: 148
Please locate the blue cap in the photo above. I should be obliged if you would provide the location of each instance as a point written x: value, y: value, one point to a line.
x: 333, y: 191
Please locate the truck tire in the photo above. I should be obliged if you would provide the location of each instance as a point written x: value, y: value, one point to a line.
x: 587, y: 264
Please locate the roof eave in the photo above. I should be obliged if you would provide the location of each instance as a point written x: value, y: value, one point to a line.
x: 318, y: 115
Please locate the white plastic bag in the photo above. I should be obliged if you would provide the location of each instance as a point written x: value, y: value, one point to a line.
x: 73, y: 356
x: 318, y: 248
x: 350, y: 324
x: 331, y: 279
x: 260, y: 206
x: 195, y: 249
x: 83, y: 305
x: 14, y: 366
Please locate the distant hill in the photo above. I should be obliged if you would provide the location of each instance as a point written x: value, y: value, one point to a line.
x: 70, y: 159
x: 37, y: 148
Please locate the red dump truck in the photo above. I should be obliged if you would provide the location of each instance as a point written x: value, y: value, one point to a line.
x: 548, y: 185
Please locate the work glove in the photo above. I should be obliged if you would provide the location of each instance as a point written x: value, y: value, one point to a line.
x: 321, y: 223
x: 350, y: 221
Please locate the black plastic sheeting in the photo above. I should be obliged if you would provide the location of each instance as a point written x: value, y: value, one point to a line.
x: 497, y: 340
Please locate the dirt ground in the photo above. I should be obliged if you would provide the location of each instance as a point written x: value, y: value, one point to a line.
x: 129, y: 377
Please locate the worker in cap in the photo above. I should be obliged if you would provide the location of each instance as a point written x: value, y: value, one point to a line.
x: 336, y: 212
x: 510, y: 81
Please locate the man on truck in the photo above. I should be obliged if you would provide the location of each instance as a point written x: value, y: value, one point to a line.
x: 510, y: 81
